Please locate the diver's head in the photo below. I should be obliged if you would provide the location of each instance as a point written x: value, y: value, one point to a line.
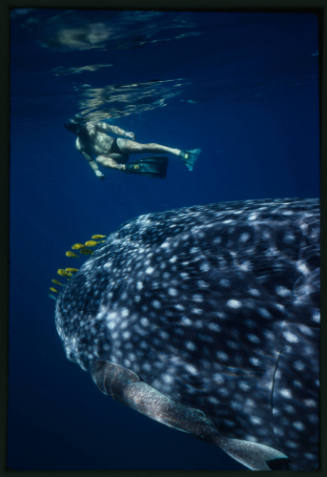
x: 73, y: 126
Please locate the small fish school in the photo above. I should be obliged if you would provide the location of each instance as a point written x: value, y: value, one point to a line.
x: 78, y: 250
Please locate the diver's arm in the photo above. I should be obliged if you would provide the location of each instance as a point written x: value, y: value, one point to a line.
x: 93, y: 164
x: 105, y: 127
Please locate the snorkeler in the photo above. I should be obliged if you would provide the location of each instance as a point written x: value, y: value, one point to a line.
x: 98, y: 146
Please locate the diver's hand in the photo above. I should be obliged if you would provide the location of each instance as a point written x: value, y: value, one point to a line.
x: 99, y: 174
x: 130, y: 134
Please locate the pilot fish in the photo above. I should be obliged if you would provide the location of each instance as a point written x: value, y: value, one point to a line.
x: 206, y: 319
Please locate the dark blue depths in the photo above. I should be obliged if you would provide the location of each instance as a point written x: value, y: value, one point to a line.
x: 217, y: 307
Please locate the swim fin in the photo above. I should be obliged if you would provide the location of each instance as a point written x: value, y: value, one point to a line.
x: 155, y: 166
x: 189, y: 157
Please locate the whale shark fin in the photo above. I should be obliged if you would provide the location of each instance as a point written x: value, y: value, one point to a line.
x: 253, y: 455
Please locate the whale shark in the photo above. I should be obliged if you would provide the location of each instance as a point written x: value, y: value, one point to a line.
x: 206, y: 319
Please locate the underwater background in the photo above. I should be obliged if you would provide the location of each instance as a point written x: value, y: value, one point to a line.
x: 243, y: 87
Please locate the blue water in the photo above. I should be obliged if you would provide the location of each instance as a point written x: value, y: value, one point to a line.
x: 243, y: 87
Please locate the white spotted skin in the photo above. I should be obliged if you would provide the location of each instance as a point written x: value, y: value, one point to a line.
x: 216, y: 306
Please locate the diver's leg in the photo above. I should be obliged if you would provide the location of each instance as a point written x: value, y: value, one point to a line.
x: 189, y: 157
x: 128, y: 146
x: 108, y: 161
